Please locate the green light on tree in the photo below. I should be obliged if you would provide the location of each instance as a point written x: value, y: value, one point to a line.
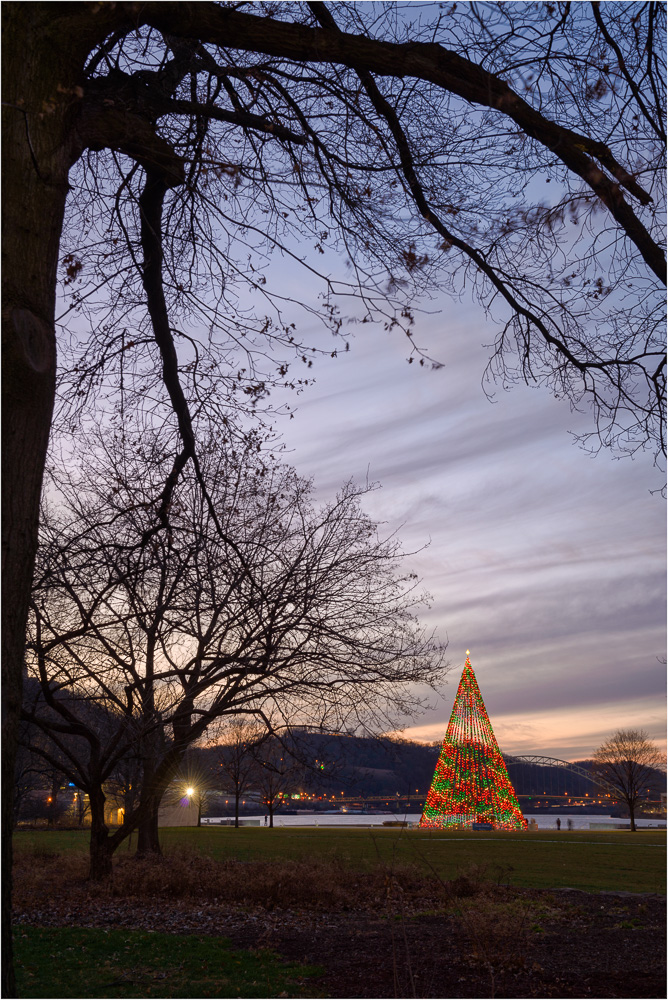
x: 471, y: 783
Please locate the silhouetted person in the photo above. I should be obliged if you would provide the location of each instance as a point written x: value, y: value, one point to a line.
x: 569, y: 824
x: 558, y: 824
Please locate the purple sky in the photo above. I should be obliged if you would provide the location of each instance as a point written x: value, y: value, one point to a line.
x: 546, y: 563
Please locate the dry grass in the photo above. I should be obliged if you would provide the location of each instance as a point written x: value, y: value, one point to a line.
x: 185, y: 875
x: 498, y: 931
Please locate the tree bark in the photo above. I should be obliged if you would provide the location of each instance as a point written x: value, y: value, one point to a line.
x: 37, y: 75
x: 148, y: 839
x: 100, y: 847
x: 44, y: 51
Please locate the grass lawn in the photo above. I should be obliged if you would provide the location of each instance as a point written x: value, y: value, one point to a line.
x: 88, y: 962
x: 595, y: 860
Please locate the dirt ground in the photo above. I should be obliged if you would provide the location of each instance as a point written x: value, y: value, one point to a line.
x: 584, y: 949
x: 384, y: 936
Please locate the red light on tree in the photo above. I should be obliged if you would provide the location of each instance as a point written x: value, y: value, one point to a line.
x: 471, y: 783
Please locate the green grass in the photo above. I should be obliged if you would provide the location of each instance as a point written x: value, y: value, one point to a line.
x: 78, y: 962
x: 593, y: 860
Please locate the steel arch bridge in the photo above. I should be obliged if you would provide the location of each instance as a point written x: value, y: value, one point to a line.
x: 565, y: 765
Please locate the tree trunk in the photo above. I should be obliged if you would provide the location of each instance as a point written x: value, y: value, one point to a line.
x: 632, y: 814
x: 129, y: 796
x: 101, y: 849
x: 44, y: 52
x: 39, y: 76
x: 81, y: 807
x: 236, y: 806
x: 148, y: 839
x: 271, y: 813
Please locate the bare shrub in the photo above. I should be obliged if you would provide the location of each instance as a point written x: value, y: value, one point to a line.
x: 475, y: 879
x: 39, y: 873
x: 471, y: 881
x: 186, y: 875
x: 495, y: 932
x: 308, y: 883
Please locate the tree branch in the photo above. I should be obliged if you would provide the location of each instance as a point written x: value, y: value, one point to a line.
x: 427, y: 61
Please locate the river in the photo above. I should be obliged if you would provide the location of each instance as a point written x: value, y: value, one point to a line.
x: 545, y: 821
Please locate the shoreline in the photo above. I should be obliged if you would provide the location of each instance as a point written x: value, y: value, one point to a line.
x: 388, y: 821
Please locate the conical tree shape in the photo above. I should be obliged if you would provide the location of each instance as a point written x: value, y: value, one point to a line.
x: 471, y: 783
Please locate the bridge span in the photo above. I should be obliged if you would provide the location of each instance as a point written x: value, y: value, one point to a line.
x: 551, y: 768
x: 546, y: 777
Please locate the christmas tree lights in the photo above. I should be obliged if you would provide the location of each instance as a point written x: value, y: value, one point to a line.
x: 471, y: 783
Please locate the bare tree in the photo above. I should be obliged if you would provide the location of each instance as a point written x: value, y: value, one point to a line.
x: 235, y: 748
x: 275, y: 772
x: 33, y: 775
x: 628, y: 762
x: 259, y: 604
x: 181, y: 143
x: 123, y: 787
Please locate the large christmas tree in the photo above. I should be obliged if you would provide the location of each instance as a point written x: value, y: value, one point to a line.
x: 471, y: 783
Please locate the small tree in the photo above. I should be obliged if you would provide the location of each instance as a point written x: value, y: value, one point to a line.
x: 628, y: 762
x: 29, y: 775
x: 250, y: 601
x: 235, y: 756
x: 197, y: 779
x: 41, y: 768
x: 275, y: 772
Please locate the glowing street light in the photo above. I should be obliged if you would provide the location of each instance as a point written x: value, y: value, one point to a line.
x: 190, y: 791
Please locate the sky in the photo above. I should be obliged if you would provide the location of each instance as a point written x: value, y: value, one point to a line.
x: 548, y: 564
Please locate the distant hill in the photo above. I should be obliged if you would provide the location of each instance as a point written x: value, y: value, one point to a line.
x: 331, y: 763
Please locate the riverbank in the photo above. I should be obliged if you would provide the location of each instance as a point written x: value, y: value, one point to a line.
x: 544, y: 821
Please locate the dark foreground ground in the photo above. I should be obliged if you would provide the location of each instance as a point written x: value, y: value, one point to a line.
x: 384, y: 933
x: 583, y: 948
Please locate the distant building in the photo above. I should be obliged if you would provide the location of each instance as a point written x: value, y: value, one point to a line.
x: 178, y: 808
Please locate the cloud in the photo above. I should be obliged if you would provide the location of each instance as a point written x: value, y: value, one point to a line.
x: 548, y: 564
x: 568, y: 735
